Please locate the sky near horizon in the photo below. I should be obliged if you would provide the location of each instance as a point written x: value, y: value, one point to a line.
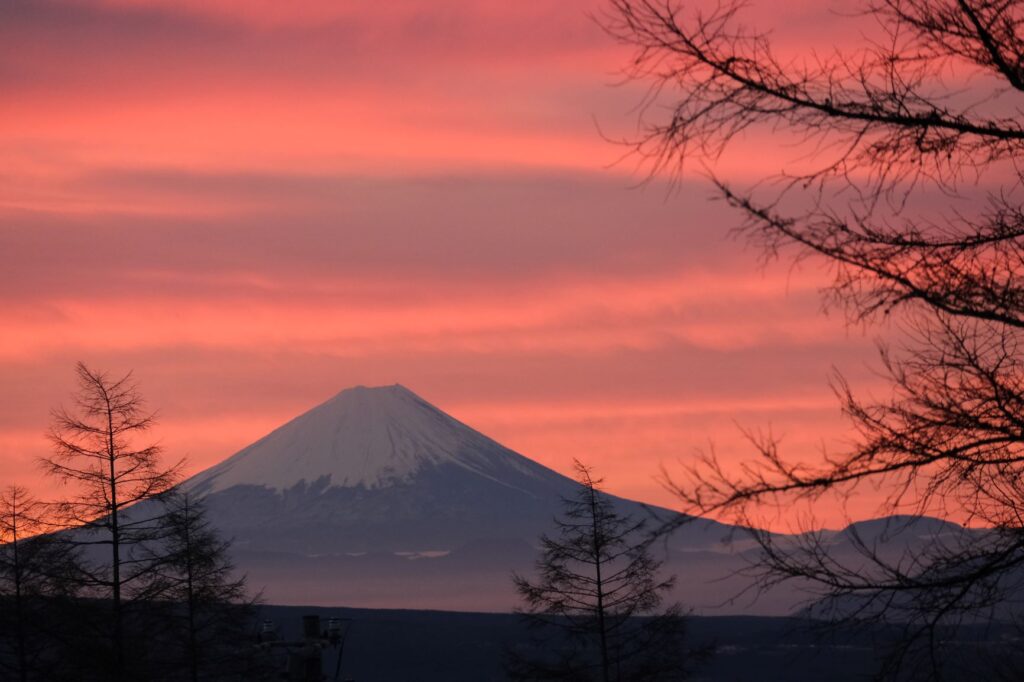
x: 255, y: 205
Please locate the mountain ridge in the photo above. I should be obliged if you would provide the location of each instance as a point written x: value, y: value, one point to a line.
x: 377, y: 469
x: 377, y: 498
x: 364, y: 436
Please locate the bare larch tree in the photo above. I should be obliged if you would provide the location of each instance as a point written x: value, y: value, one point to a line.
x: 209, y: 618
x: 16, y: 525
x: 912, y: 197
x: 38, y: 574
x: 596, y: 601
x: 96, y: 453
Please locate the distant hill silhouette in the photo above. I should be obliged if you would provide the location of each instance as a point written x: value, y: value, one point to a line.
x: 376, y: 498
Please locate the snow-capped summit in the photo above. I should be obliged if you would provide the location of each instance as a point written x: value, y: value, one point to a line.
x: 370, y: 438
x: 378, y: 498
x: 378, y: 469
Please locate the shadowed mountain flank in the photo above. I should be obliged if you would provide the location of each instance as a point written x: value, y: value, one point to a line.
x: 376, y: 498
x: 381, y: 469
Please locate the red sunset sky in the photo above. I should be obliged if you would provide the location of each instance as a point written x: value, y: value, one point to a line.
x: 255, y: 205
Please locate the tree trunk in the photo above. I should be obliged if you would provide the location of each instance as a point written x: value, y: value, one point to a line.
x: 605, y: 669
x: 193, y: 647
x: 19, y: 606
x: 115, y: 543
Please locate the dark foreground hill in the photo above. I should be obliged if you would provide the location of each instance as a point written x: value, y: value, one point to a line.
x: 428, y: 646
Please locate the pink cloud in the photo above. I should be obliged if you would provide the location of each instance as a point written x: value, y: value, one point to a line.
x: 255, y: 205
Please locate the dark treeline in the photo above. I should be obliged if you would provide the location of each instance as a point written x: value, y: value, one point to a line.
x: 121, y: 577
x: 67, y: 639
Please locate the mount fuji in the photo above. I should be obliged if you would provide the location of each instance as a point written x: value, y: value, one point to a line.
x: 378, y: 469
x: 377, y: 498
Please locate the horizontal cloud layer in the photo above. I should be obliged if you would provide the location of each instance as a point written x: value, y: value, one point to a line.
x: 254, y: 205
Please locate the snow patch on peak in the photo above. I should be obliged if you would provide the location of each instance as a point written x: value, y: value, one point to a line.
x: 366, y: 436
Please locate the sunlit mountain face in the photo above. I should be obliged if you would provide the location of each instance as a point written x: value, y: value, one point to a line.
x: 378, y: 469
x: 377, y: 498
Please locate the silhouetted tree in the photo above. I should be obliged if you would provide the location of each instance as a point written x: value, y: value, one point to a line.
x: 15, y: 526
x: 913, y: 200
x: 210, y: 618
x: 96, y: 453
x: 38, y: 575
x: 595, y: 601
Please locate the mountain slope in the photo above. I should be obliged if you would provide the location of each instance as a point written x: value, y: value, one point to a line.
x: 376, y: 498
x: 372, y: 438
x: 380, y: 469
